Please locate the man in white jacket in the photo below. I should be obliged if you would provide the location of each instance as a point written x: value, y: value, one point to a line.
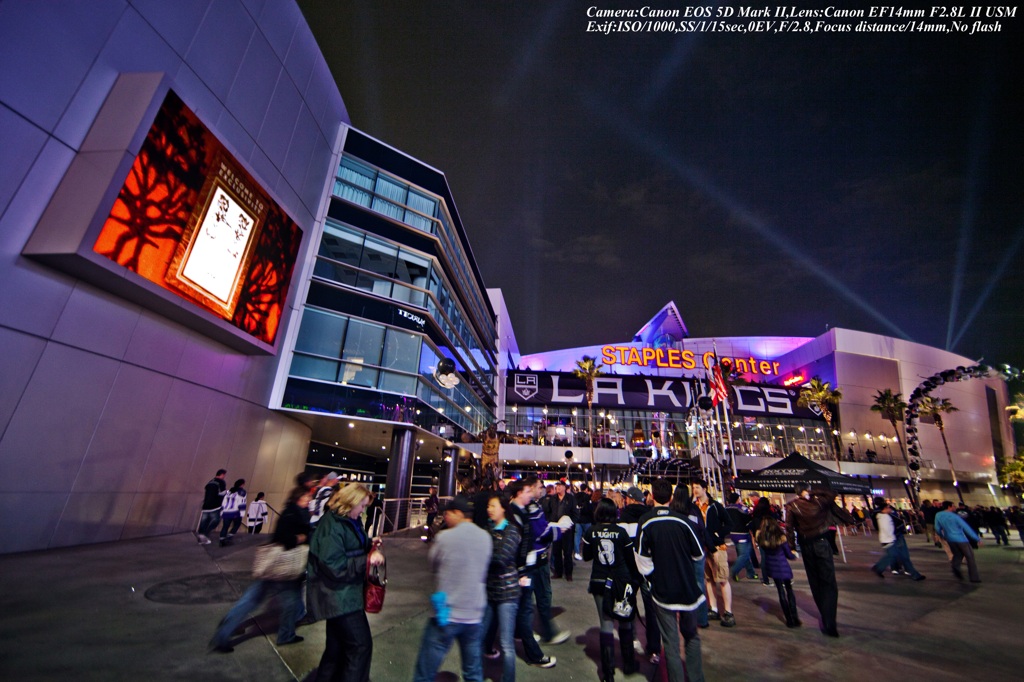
x: 890, y: 534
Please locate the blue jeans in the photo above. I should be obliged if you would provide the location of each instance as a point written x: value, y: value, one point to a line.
x: 208, y: 522
x: 744, y: 550
x: 524, y: 619
x: 580, y: 530
x: 506, y: 621
x: 542, y: 592
x: 897, y: 554
x: 702, y: 610
x: 437, y: 640
x: 287, y: 593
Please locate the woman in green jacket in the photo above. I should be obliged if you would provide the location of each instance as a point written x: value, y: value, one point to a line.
x: 338, y: 555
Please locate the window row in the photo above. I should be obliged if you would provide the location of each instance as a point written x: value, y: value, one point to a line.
x: 365, y: 185
x: 359, y: 260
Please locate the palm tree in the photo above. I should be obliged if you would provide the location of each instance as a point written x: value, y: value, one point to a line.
x: 892, y: 407
x: 1017, y: 409
x: 589, y: 369
x: 934, y: 408
x: 820, y: 394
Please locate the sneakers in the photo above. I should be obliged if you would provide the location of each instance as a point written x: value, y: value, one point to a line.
x: 655, y: 659
x: 492, y: 655
x: 203, y: 540
x: 577, y: 556
x: 294, y: 640
x: 546, y: 662
x: 559, y: 637
x: 713, y: 615
x: 728, y: 620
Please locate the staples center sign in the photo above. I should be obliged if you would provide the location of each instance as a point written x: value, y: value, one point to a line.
x: 673, y: 358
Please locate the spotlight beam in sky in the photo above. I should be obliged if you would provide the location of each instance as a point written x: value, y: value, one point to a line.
x: 744, y: 217
x: 997, y: 274
x: 978, y: 145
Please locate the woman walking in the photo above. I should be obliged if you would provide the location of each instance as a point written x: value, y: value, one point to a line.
x: 610, y: 547
x: 257, y: 514
x: 772, y: 539
x: 292, y: 530
x: 502, y: 587
x: 231, y: 512
x: 338, y: 557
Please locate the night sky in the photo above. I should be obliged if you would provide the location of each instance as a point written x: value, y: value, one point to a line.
x: 769, y: 184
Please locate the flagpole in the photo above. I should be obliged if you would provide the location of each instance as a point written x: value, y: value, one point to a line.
x: 725, y: 408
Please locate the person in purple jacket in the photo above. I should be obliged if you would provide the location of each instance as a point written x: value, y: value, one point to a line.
x: 771, y: 538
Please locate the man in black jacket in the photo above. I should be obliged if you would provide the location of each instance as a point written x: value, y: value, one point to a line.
x: 213, y: 497
x: 716, y: 566
x: 629, y: 519
x: 563, y: 503
x: 666, y: 547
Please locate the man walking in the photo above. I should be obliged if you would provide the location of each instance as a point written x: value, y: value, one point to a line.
x: 958, y: 534
x: 563, y: 504
x: 809, y: 517
x: 666, y: 547
x: 739, y: 519
x: 522, y: 497
x: 459, y: 559
x: 213, y: 498
x: 890, y: 534
x: 716, y: 566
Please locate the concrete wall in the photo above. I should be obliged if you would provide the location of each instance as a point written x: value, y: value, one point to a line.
x: 112, y: 418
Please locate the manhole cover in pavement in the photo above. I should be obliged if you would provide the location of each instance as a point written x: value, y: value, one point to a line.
x: 213, y: 588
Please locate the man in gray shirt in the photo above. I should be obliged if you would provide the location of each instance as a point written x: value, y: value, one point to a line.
x: 459, y: 558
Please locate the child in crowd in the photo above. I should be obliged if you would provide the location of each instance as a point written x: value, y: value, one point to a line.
x: 772, y: 539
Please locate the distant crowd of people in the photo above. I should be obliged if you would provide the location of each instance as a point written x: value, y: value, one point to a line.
x: 495, y: 549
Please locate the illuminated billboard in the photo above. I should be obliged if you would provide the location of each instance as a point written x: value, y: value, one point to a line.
x: 190, y: 219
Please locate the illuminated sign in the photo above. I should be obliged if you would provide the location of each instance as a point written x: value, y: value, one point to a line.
x: 674, y: 395
x: 794, y: 380
x: 673, y: 358
x: 191, y: 220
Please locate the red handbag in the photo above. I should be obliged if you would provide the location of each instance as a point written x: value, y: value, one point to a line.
x: 373, y: 588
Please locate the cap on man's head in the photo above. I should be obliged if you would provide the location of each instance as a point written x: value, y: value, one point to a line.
x: 635, y: 493
x: 332, y: 477
x: 460, y: 503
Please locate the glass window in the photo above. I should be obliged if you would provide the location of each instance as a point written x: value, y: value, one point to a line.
x: 363, y: 343
x: 355, y: 374
x: 401, y: 351
x: 321, y: 333
x: 314, y: 368
x: 398, y: 383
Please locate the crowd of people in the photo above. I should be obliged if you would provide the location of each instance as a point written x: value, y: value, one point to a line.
x: 499, y: 546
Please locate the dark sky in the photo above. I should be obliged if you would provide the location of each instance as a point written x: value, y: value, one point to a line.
x: 768, y: 184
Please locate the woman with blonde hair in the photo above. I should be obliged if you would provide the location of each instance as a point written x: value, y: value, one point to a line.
x: 338, y: 557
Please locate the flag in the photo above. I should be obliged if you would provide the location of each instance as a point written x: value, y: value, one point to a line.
x: 719, y: 391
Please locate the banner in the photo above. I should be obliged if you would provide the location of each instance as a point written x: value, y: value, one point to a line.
x: 663, y: 394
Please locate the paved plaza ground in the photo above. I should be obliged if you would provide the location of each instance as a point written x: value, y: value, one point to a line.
x: 145, y: 610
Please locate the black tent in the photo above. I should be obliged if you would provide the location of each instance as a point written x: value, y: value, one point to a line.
x: 786, y: 473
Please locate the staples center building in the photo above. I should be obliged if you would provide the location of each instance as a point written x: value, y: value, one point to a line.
x: 643, y: 405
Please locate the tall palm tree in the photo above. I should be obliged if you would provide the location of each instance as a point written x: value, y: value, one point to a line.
x: 1017, y: 409
x: 935, y: 408
x: 820, y: 394
x: 892, y: 407
x: 589, y: 369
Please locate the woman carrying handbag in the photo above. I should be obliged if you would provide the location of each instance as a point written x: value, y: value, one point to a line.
x: 291, y: 532
x: 339, y: 555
